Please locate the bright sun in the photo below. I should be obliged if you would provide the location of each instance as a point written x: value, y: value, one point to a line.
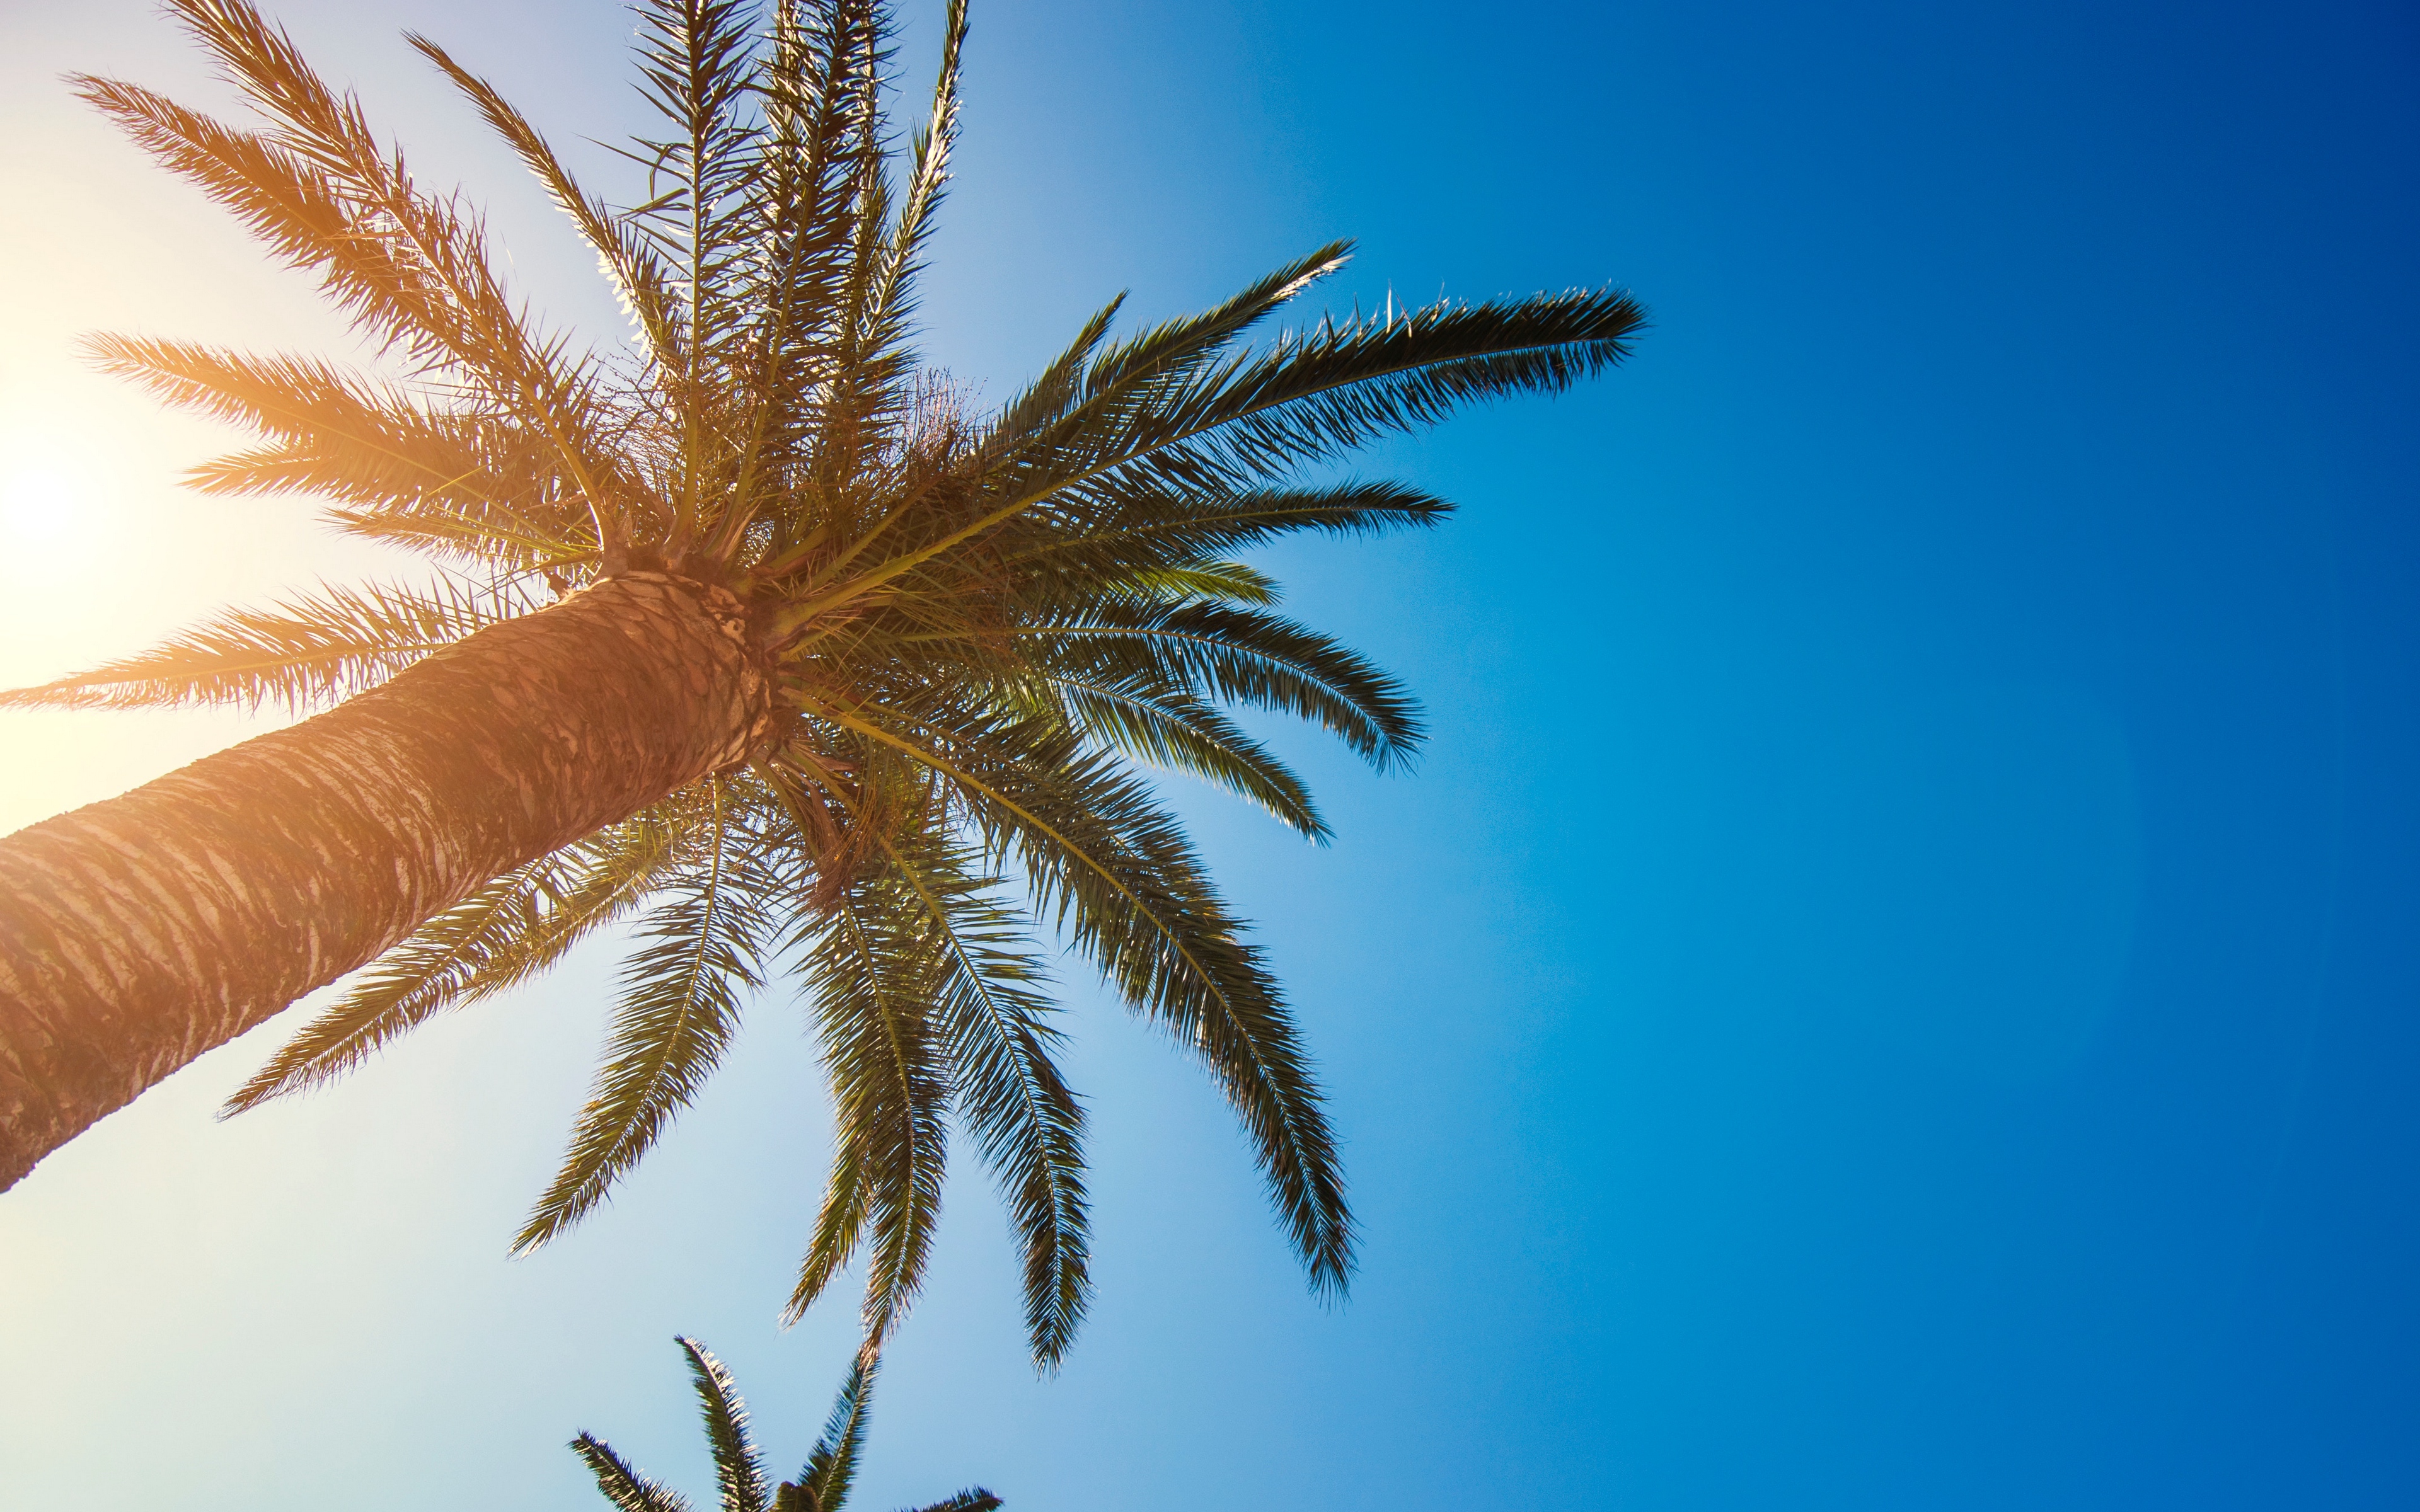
x: 40, y: 507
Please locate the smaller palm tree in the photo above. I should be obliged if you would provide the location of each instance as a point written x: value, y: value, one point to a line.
x: 740, y: 1470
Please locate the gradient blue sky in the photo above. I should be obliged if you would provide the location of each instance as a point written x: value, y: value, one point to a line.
x: 1893, y: 987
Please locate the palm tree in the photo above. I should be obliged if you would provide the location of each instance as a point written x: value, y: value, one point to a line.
x: 740, y: 1470
x: 750, y: 632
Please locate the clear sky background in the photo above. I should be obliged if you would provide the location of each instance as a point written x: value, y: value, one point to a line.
x: 1894, y: 986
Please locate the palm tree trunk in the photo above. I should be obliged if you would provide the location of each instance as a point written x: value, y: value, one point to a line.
x: 138, y: 932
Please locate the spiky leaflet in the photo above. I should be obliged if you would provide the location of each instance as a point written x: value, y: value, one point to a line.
x: 740, y: 1478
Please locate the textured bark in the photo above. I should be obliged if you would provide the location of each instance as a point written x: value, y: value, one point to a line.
x: 139, y: 932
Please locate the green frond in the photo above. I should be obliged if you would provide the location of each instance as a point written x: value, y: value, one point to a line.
x: 1059, y: 385
x: 1175, y: 411
x: 739, y: 1469
x: 1127, y: 531
x: 1176, y: 350
x: 1348, y: 386
x: 840, y: 1222
x: 702, y: 944
x: 411, y: 270
x: 873, y: 967
x: 832, y: 1464
x: 1118, y: 873
x: 1170, y: 730
x: 973, y: 1499
x: 1238, y: 655
x: 1025, y: 1120
x: 1118, y: 876
x: 622, y: 1485
x: 308, y: 652
x: 695, y: 59
x: 928, y: 172
x: 1312, y: 396
x: 822, y: 123
x: 507, y: 932
x: 638, y: 274
x: 1222, y: 582
x: 1077, y: 421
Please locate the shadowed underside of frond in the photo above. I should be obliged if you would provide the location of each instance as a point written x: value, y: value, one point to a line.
x: 924, y: 653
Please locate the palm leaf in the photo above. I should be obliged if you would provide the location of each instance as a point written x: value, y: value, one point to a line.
x: 739, y: 1469
x: 680, y: 1006
x: 308, y: 652
x: 832, y: 1464
x: 1118, y: 876
x: 1027, y: 1123
x: 1237, y: 655
x: 638, y: 274
x: 624, y: 1485
x: 1152, y: 723
x: 874, y: 971
x: 411, y: 270
x: 501, y: 936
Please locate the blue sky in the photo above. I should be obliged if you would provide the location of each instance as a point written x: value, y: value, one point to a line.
x: 1892, y: 987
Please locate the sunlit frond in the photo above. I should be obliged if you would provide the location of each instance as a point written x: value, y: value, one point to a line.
x: 311, y: 651
x: 624, y: 1485
x: 639, y: 275
x: 832, y: 1464
x: 739, y: 1469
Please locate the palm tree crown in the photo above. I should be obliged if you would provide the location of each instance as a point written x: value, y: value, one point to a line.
x: 977, y: 627
x: 739, y: 1472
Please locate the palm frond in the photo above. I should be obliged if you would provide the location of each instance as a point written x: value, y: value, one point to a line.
x: 822, y: 119
x: 637, y: 272
x: 624, y: 1485
x: 502, y: 934
x: 874, y: 968
x: 739, y: 1469
x: 695, y: 58
x: 318, y: 188
x: 928, y: 172
x: 680, y: 1006
x: 1238, y: 655
x: 1156, y: 527
x: 483, y: 482
x: 973, y: 1499
x: 1117, y: 874
x: 1164, y: 413
x: 832, y: 1464
x: 1151, y: 723
x: 308, y: 652
x: 1025, y: 1120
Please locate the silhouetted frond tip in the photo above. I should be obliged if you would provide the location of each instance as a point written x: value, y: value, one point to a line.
x: 822, y: 1486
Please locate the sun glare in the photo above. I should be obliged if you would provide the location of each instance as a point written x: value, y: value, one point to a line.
x: 40, y: 508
